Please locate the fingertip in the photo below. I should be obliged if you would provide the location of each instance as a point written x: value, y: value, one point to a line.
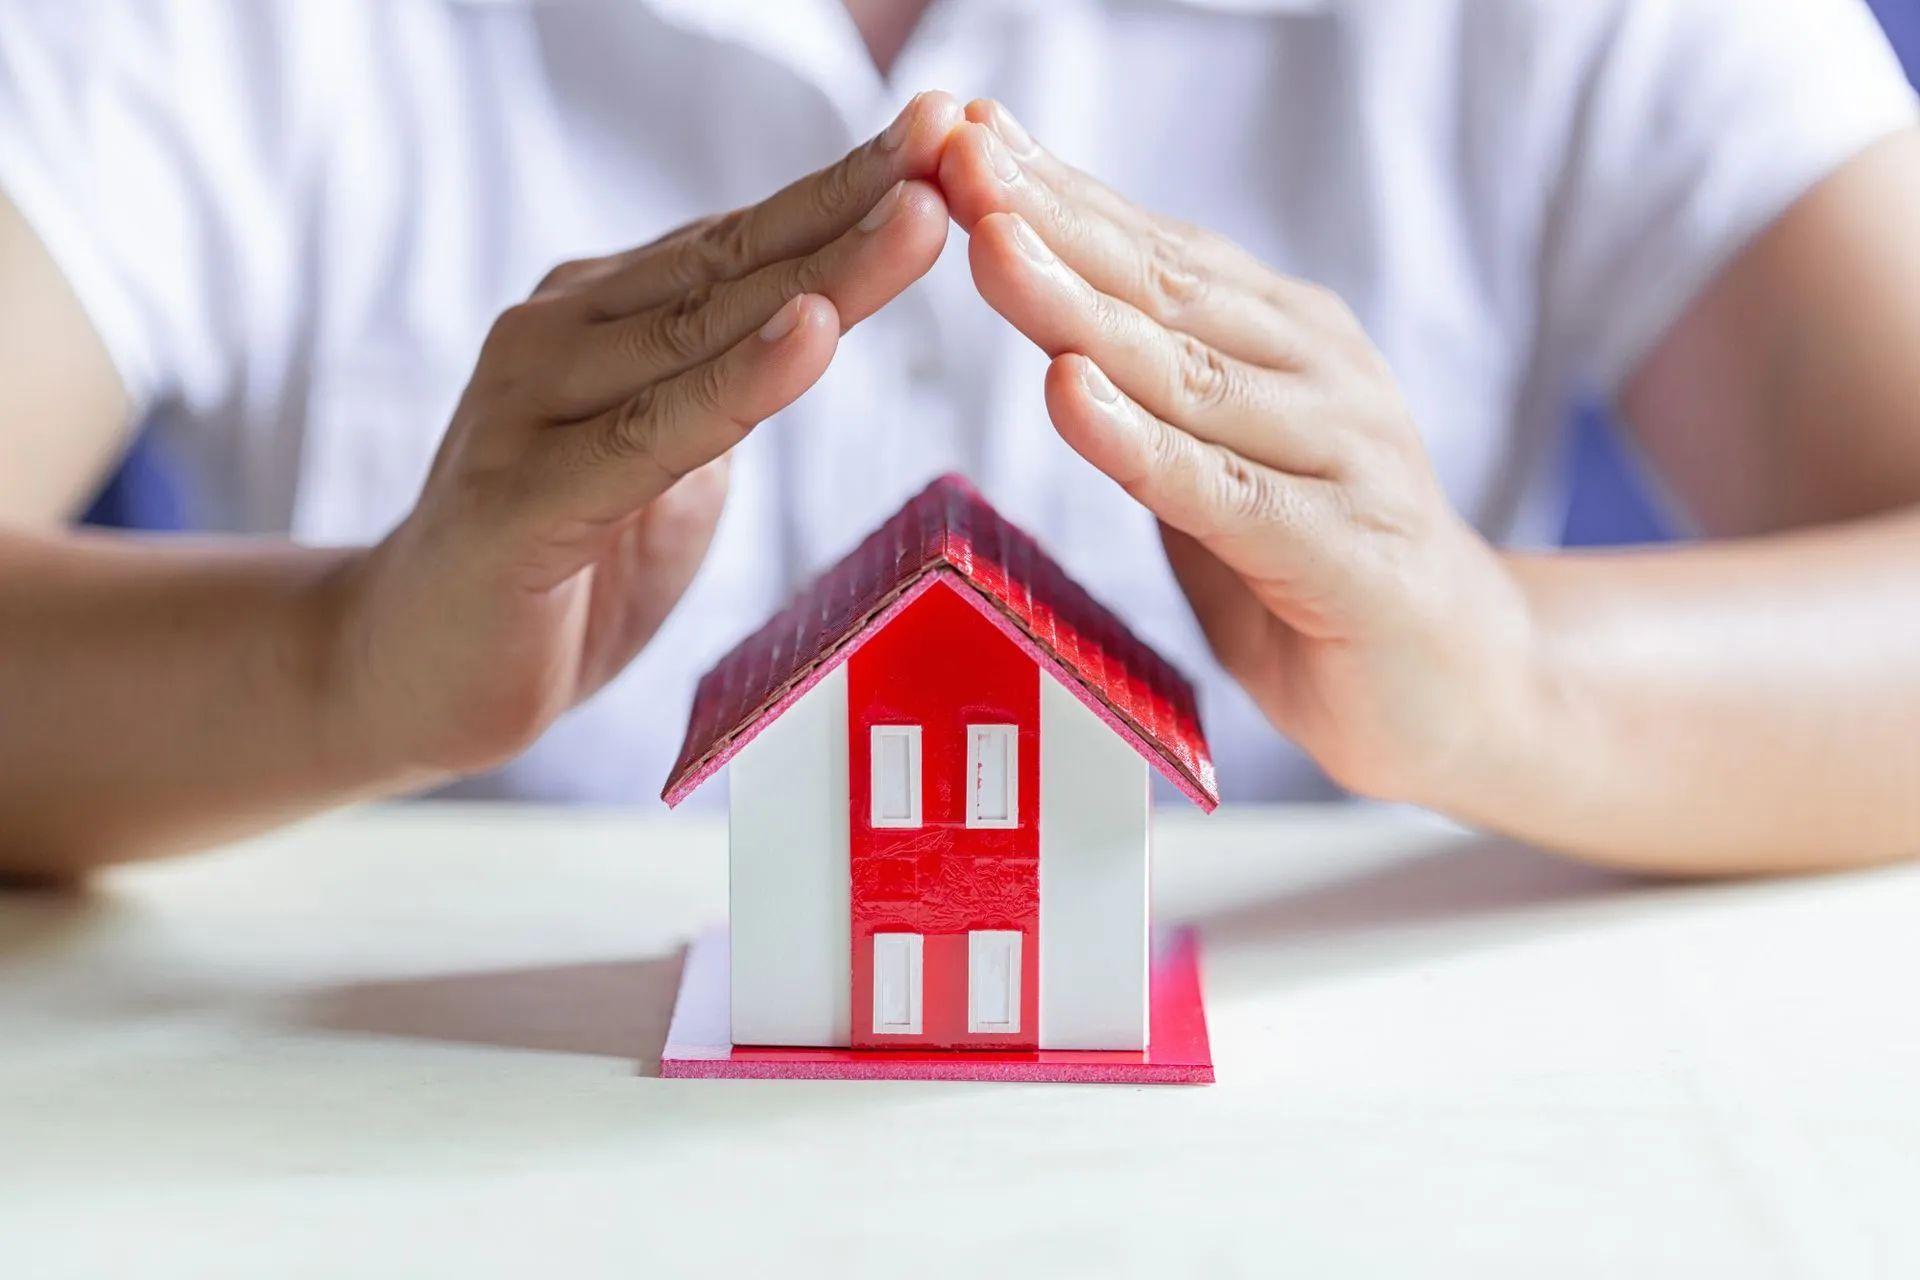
x: 926, y: 219
x: 804, y: 324
x: 924, y: 127
x: 788, y: 355
x: 996, y: 116
x: 967, y: 176
x: 922, y: 218
x: 939, y: 109
x: 923, y: 199
x: 818, y: 316
x: 901, y: 249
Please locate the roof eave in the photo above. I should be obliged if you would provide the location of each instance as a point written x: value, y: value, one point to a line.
x: 1203, y: 792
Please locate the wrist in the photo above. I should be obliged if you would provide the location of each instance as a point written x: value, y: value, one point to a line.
x: 360, y: 720
x: 1523, y: 718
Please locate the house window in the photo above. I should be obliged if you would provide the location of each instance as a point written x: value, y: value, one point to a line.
x: 993, y: 775
x: 993, y: 981
x: 895, y: 761
x: 896, y: 984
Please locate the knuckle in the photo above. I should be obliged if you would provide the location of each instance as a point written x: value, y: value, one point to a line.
x: 511, y: 355
x: 563, y: 276
x: 1159, y: 471
x: 1164, y: 454
x: 684, y: 329
x: 802, y: 275
x: 1242, y: 495
x: 809, y: 274
x: 1065, y: 220
x: 600, y: 449
x: 691, y: 300
x: 1109, y: 317
x: 632, y: 430
x: 835, y: 189
x: 706, y: 390
x: 1179, y: 476
x: 678, y: 235
x: 1171, y: 285
x: 517, y: 326
x: 708, y: 426
x: 721, y: 249
x: 1205, y: 378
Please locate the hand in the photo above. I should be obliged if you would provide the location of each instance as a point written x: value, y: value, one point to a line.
x: 1253, y: 417
x: 581, y: 478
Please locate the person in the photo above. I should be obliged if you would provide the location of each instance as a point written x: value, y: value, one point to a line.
x: 1298, y: 288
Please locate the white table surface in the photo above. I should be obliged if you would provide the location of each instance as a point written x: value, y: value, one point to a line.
x: 418, y: 1042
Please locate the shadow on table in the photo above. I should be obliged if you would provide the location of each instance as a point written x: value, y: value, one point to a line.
x: 1482, y: 891
x: 36, y: 920
x: 617, y: 1009
x: 1469, y: 894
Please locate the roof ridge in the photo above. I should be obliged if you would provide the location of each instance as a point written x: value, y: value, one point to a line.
x: 954, y: 491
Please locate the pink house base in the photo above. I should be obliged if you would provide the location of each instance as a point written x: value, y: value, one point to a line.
x: 699, y: 1045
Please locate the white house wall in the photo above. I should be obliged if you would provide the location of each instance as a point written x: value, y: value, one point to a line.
x: 788, y: 875
x: 1093, y: 880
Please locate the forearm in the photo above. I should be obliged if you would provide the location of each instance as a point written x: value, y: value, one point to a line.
x: 1727, y: 707
x: 156, y: 696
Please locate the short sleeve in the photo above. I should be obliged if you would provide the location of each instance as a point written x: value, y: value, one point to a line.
x: 119, y: 146
x: 1698, y: 124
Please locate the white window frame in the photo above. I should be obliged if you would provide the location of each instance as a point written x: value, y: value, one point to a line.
x: 909, y: 948
x: 1010, y: 735
x: 982, y: 946
x: 910, y: 734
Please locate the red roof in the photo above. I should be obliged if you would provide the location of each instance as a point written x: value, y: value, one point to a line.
x: 947, y: 531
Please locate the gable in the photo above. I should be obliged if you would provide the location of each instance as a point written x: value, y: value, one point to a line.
x: 948, y: 532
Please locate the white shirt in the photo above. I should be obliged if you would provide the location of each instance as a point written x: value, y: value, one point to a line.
x: 292, y: 223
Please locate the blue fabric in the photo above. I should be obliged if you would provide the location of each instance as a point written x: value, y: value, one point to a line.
x: 1611, y: 503
x: 144, y: 493
x: 1901, y: 18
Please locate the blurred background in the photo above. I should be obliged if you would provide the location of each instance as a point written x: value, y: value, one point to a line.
x: 1611, y: 502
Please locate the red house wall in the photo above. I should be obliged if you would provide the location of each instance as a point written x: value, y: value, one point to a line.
x: 941, y: 665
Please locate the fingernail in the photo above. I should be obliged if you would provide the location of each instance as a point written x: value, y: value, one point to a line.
x: 1098, y: 386
x: 999, y: 159
x: 883, y: 208
x: 896, y: 133
x: 782, y: 322
x: 1011, y: 131
x: 1029, y: 240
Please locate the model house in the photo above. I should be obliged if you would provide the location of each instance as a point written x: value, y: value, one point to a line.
x: 940, y: 758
